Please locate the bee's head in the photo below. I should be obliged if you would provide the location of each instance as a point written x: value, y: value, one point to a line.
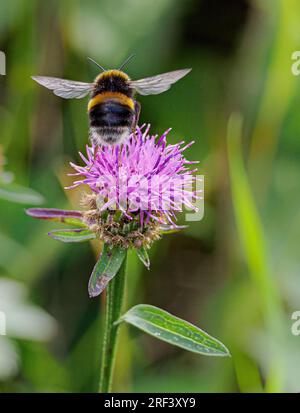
x: 114, y: 80
x: 113, y: 72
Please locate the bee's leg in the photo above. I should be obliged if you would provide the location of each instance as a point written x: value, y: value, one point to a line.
x: 94, y: 160
x: 96, y: 151
x: 137, y: 110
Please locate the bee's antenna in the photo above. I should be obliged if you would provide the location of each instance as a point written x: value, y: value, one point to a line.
x: 97, y: 64
x: 126, y: 61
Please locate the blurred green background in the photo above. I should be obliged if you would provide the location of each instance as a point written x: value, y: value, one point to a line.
x: 236, y: 272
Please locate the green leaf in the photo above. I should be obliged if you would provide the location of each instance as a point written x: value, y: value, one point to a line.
x: 105, y: 269
x: 72, y: 235
x: 58, y: 215
x: 170, y: 229
x: 143, y: 256
x: 19, y: 194
x: 166, y: 327
x: 73, y: 221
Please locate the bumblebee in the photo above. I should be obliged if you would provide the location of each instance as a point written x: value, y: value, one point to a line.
x: 112, y: 109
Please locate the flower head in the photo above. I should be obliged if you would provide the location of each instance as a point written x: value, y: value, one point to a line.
x: 136, y: 191
x: 146, y: 181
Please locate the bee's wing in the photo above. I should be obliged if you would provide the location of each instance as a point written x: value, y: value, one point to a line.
x: 158, y: 84
x: 67, y: 89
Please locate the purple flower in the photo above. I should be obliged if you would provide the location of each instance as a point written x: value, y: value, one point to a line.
x: 145, y: 178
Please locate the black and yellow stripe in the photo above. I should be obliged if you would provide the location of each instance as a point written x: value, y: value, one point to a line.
x: 111, y: 96
x: 111, y: 108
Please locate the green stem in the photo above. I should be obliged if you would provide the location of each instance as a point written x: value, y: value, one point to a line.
x: 114, y: 302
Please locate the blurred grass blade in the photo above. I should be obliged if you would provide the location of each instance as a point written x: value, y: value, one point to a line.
x: 253, y: 242
x: 143, y: 256
x: 247, y: 218
x: 57, y: 215
x: 20, y: 194
x: 72, y: 235
x: 105, y: 269
x: 173, y: 330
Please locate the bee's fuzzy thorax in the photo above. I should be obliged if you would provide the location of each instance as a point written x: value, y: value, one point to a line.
x: 112, y: 73
x: 113, y: 81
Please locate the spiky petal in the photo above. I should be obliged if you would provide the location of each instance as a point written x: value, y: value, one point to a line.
x: 145, y: 178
